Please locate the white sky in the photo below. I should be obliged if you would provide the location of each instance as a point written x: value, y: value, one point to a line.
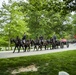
x: 7, y: 2
x: 13, y: 0
x: 2, y: 1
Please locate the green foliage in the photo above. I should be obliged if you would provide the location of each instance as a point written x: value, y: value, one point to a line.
x: 43, y: 21
x: 48, y: 64
x: 74, y: 24
x: 35, y: 17
x: 0, y: 49
x: 4, y: 41
x: 13, y: 23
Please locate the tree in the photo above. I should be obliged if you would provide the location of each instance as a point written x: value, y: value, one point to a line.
x: 13, y: 20
x: 43, y: 16
x: 74, y: 24
x: 36, y: 17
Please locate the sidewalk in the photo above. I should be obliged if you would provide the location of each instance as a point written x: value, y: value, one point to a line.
x: 9, y: 54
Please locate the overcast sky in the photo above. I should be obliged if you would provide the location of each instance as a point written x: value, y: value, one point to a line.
x: 7, y: 1
x: 2, y: 1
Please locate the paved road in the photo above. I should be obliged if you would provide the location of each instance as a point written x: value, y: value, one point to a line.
x: 9, y: 54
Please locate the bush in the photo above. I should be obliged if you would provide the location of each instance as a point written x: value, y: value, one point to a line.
x: 0, y: 48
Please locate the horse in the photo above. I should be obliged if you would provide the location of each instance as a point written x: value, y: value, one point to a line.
x: 35, y: 44
x: 52, y: 42
x: 27, y: 44
x: 43, y: 43
x: 18, y: 45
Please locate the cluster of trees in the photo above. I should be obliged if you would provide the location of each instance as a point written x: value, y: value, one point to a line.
x: 37, y: 17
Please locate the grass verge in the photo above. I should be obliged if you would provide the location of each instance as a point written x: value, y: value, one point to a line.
x: 47, y: 64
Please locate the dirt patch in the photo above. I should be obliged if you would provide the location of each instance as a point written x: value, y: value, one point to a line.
x: 25, y: 69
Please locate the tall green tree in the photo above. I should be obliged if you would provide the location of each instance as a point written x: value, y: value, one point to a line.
x: 13, y: 20
x: 45, y: 17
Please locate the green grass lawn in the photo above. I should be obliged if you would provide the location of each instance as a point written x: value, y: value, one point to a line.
x: 47, y: 64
